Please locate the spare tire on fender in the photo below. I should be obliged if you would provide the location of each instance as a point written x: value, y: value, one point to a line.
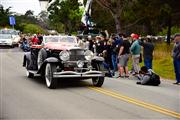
x: 42, y: 55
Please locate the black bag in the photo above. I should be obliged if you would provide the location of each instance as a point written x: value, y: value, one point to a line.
x: 140, y: 58
x: 154, y: 79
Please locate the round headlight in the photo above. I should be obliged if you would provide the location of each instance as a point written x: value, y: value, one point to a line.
x: 88, y: 55
x: 64, y: 55
x: 80, y: 63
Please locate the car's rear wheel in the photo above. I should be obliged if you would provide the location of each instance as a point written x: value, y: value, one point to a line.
x: 50, y: 81
x: 28, y: 74
x: 42, y: 55
x: 98, y: 81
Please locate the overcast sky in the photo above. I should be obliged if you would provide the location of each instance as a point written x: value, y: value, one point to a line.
x: 21, y: 6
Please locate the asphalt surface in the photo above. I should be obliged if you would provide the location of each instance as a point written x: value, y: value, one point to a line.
x: 118, y: 99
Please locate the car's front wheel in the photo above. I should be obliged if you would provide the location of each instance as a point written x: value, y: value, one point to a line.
x: 98, y: 81
x: 50, y: 81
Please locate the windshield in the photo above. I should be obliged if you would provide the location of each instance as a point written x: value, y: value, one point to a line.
x: 5, y: 36
x: 9, y: 31
x: 67, y: 39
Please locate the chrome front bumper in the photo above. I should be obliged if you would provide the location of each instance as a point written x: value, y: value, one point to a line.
x: 70, y: 74
x: 5, y: 43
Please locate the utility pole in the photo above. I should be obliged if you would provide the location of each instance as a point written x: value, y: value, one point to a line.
x: 169, y: 30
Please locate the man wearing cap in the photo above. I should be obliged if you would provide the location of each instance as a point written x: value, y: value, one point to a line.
x: 176, y: 58
x: 135, y: 51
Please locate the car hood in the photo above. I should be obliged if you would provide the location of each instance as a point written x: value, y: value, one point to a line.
x: 59, y: 46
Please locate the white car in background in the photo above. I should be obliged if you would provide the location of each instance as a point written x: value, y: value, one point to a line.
x: 15, y: 35
x: 16, y: 39
x: 6, y: 40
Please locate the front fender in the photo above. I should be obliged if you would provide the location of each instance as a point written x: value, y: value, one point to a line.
x: 48, y: 60
x: 51, y: 60
x: 98, y: 59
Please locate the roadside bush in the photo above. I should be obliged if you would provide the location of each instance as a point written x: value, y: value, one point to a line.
x: 32, y: 28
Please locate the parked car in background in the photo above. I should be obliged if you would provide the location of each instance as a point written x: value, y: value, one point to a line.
x: 6, y: 40
x: 14, y: 34
x: 58, y: 57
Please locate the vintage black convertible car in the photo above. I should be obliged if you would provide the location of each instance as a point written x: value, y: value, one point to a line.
x: 59, y: 57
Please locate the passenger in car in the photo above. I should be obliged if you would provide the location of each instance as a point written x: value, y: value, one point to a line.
x: 35, y: 40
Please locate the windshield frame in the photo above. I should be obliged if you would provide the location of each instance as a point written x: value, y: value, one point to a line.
x: 59, y: 39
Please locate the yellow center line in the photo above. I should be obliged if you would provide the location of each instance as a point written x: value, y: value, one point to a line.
x: 137, y: 102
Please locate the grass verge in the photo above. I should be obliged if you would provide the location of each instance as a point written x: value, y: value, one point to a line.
x: 162, y: 62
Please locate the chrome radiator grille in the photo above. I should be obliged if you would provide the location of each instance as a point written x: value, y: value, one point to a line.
x: 77, y: 54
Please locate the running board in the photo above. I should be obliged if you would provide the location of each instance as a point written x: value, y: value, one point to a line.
x: 33, y: 71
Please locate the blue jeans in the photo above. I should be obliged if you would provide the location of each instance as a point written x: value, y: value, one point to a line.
x: 107, y: 67
x: 177, y: 69
x: 114, y: 62
x: 148, y: 63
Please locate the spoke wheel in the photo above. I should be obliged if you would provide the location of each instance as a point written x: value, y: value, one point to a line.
x: 50, y: 81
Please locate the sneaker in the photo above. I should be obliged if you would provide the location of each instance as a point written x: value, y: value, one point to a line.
x: 138, y: 82
x: 177, y: 83
x: 127, y: 76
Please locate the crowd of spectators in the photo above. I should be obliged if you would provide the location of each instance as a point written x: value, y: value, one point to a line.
x: 118, y: 49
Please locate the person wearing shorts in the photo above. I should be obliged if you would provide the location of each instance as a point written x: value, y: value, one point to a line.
x: 123, y: 57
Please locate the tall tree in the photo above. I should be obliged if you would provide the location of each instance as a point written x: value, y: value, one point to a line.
x: 43, y: 19
x: 142, y: 16
x: 115, y: 7
x: 4, y: 14
x: 67, y: 13
x: 29, y: 13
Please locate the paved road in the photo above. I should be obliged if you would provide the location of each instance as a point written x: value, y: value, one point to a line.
x: 25, y: 98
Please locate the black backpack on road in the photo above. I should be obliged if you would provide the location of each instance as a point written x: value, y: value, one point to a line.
x: 154, y: 79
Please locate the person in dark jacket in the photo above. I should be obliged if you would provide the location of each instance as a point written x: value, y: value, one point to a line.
x: 99, y: 45
x: 148, y: 49
x: 116, y: 42
x: 176, y: 58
